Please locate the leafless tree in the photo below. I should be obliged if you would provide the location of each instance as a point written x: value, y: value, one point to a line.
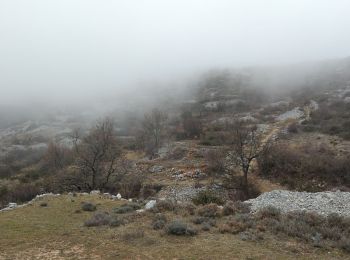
x: 246, y: 144
x: 56, y: 156
x: 191, y: 125
x: 153, y: 129
x: 98, y: 155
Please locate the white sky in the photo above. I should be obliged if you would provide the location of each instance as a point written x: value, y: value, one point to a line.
x: 64, y: 49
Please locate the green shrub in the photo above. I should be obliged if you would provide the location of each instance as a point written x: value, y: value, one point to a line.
x: 206, y: 197
x: 180, y: 228
x: 87, y: 206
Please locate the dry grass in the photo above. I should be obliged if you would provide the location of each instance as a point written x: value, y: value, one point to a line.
x: 57, y: 232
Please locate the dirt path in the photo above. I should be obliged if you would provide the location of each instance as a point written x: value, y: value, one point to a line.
x: 263, y: 184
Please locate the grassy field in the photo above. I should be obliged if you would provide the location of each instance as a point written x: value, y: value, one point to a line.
x: 57, y: 232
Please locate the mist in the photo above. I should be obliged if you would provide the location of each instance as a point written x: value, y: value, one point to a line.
x: 64, y: 53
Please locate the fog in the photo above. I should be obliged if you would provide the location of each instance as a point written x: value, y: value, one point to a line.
x: 74, y: 51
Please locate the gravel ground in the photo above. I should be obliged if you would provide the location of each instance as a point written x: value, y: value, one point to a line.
x: 323, y: 203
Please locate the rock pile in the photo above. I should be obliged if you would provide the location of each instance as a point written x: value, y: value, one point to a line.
x: 180, y: 194
x: 323, y: 203
x: 181, y: 174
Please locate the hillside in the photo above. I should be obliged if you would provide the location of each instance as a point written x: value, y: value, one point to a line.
x: 56, y: 231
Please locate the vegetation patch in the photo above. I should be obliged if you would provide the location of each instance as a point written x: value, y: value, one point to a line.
x: 88, y: 206
x: 180, y: 228
x: 207, y: 197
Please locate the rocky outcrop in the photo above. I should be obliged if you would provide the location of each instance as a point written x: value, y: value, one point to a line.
x: 323, y: 203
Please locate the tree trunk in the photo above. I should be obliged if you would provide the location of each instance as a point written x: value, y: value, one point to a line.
x: 245, y: 181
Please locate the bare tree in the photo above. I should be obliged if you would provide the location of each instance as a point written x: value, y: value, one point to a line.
x: 246, y: 144
x: 153, y: 127
x: 191, y: 125
x: 56, y: 156
x: 98, y: 154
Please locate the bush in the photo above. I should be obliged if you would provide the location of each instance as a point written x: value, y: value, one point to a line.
x: 269, y: 212
x: 309, y: 227
x: 189, y: 208
x: 180, y: 228
x: 164, y: 205
x: 289, y: 165
x: 229, y: 209
x: 127, y: 208
x: 216, y: 162
x: 206, y: 226
x: 87, y: 206
x: 43, y: 204
x: 116, y: 222
x: 209, y: 211
x: 232, y: 226
x: 250, y: 235
x: 98, y: 219
x: 159, y: 221
x: 293, y: 128
x: 150, y: 190
x: 242, y: 207
x: 207, y: 197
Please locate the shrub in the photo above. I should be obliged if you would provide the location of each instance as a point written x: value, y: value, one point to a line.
x: 180, y: 228
x: 250, y: 235
x: 23, y: 192
x: 289, y: 165
x: 202, y: 220
x: 242, y: 207
x: 43, y: 204
x: 269, y: 212
x: 189, y: 207
x: 150, y: 190
x: 229, y: 209
x: 209, y: 210
x: 293, y: 128
x: 87, y: 206
x: 232, y: 226
x: 116, y: 222
x: 216, y: 162
x: 164, y: 205
x: 159, y: 221
x: 206, y: 226
x: 127, y: 208
x: 206, y: 197
x: 98, y: 219
x: 199, y: 220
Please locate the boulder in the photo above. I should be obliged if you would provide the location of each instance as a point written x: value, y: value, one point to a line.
x: 150, y: 204
x: 12, y: 205
x: 95, y: 192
